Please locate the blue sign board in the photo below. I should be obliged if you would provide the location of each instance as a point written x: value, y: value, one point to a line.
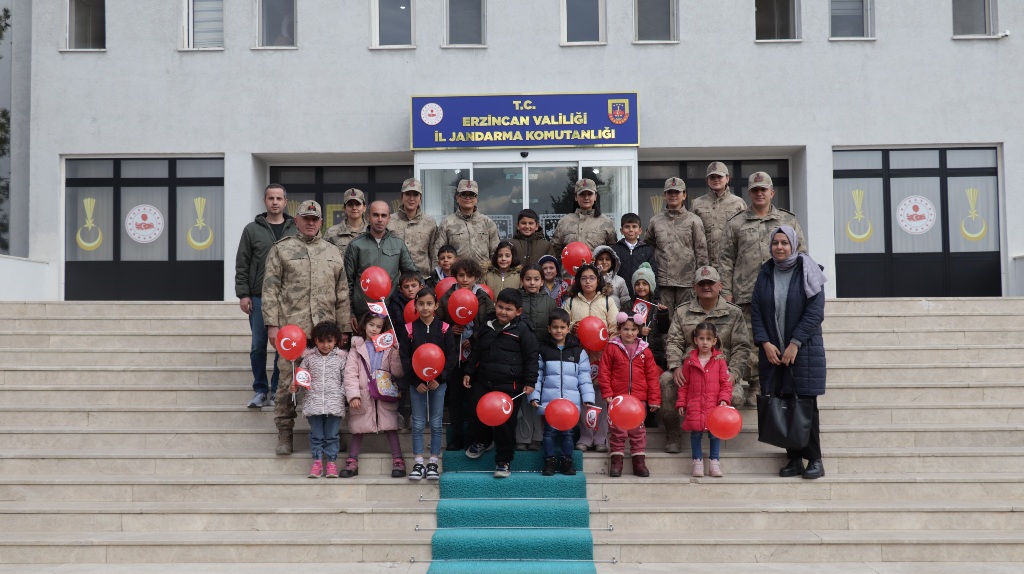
x: 525, y: 120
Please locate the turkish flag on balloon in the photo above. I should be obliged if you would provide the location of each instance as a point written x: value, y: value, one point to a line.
x: 463, y: 306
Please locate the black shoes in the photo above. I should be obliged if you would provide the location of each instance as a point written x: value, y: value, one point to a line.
x: 794, y: 468
x: 814, y: 470
x: 550, y: 463
x: 566, y: 466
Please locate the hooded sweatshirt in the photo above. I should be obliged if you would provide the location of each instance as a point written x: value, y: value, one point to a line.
x: 620, y: 292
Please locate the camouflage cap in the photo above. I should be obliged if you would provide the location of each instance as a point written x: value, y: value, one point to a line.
x: 707, y: 273
x: 675, y: 183
x: 310, y: 208
x: 412, y: 184
x: 717, y: 168
x: 759, y: 179
x: 356, y: 194
x: 586, y: 185
x: 469, y: 186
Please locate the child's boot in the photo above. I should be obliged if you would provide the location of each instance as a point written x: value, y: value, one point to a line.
x: 698, y: 467
x: 568, y: 468
x: 397, y: 467
x: 351, y: 468
x: 716, y: 469
x: 640, y: 465
x: 549, y: 466
x: 615, y: 468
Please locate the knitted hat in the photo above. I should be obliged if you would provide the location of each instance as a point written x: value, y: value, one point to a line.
x: 646, y: 273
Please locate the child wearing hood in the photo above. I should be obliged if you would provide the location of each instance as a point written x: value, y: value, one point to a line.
x: 554, y: 286
x: 608, y: 262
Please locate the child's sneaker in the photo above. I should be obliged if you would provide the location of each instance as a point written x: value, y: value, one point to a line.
x: 501, y: 470
x: 397, y: 468
x: 432, y: 472
x: 332, y: 469
x: 567, y: 466
x: 477, y: 449
x: 417, y: 471
x: 351, y: 468
x: 716, y: 469
x: 698, y: 467
x: 316, y: 469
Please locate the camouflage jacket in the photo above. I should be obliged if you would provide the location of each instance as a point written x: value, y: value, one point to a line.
x: 715, y: 211
x: 364, y: 251
x: 679, y: 246
x: 475, y: 236
x: 305, y: 284
x: 747, y: 246
x: 593, y: 230
x: 341, y: 235
x: 732, y: 335
x: 419, y: 234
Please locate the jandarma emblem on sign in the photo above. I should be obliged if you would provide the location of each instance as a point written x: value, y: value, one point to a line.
x: 144, y: 223
x: 618, y: 111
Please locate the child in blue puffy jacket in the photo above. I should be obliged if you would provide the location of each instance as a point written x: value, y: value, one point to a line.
x: 564, y: 372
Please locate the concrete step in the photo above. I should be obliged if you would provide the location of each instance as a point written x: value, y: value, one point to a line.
x: 122, y: 377
x: 919, y: 371
x: 142, y: 395
x: 259, y: 514
x: 906, y: 392
x: 913, y: 305
x: 143, y: 324
x: 997, y: 320
x: 133, y: 357
x: 118, y: 309
x: 233, y: 546
x: 898, y: 337
x: 116, y: 342
x: 980, y: 355
x: 376, y: 461
x: 809, y: 545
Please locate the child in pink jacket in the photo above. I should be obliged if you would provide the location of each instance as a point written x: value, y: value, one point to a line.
x: 371, y: 362
x: 707, y: 385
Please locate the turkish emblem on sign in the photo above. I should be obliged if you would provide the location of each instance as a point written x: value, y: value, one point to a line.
x: 642, y: 310
x: 384, y: 341
x: 144, y: 223
x: 618, y: 111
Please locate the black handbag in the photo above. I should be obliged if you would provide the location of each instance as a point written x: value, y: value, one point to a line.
x: 784, y: 422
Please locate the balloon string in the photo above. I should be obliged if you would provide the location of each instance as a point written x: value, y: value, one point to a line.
x: 293, y: 382
x: 519, y: 395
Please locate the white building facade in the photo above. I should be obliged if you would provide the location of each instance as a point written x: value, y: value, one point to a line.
x: 893, y: 130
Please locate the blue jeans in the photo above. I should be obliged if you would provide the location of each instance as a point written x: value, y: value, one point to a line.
x: 564, y: 441
x: 258, y: 351
x: 716, y: 445
x: 419, y: 401
x: 324, y: 441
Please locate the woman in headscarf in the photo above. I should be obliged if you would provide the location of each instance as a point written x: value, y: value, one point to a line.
x: 787, y: 309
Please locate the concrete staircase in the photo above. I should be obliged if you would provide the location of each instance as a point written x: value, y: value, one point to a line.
x: 125, y: 446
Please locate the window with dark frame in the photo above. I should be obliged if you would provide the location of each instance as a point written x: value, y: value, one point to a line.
x: 776, y: 19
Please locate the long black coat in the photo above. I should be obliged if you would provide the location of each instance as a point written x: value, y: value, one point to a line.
x: 803, y: 322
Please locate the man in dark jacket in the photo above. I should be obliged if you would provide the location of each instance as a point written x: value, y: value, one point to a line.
x: 504, y: 358
x: 257, y: 238
x: 377, y: 247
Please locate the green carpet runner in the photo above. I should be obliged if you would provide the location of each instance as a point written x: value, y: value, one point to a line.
x: 524, y: 524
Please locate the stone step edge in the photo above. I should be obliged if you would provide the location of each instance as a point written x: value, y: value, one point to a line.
x: 809, y: 537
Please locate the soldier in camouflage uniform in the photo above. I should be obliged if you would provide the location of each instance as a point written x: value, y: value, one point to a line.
x: 747, y: 245
x: 715, y: 209
x: 586, y: 224
x: 355, y: 220
x: 304, y: 284
x: 471, y: 233
x: 733, y: 336
x: 679, y: 246
x: 417, y: 230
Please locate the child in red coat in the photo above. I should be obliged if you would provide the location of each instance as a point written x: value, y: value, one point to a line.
x: 707, y: 385
x: 628, y: 368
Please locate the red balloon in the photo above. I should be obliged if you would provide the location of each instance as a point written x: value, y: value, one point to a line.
x: 494, y: 408
x: 428, y: 362
x: 562, y: 414
x: 443, y: 286
x: 463, y: 306
x: 376, y: 283
x: 291, y: 342
x: 487, y: 290
x: 410, y: 314
x: 725, y: 422
x: 626, y: 412
x: 575, y: 255
x: 593, y: 333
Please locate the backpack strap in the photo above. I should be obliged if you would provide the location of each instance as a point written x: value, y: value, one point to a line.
x: 444, y: 327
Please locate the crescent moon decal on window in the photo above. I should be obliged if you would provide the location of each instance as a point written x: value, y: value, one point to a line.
x: 429, y: 373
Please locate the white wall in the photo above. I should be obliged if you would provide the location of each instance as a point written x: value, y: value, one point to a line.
x: 716, y: 89
x: 27, y: 280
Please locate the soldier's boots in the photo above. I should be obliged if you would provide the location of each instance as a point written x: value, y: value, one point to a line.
x: 640, y: 465
x: 753, y: 390
x: 284, y: 442
x: 673, y: 441
x: 615, y: 468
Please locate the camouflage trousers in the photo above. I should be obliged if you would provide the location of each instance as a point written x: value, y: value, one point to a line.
x: 754, y: 379
x: 284, y: 407
x: 668, y: 413
x: 673, y: 297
